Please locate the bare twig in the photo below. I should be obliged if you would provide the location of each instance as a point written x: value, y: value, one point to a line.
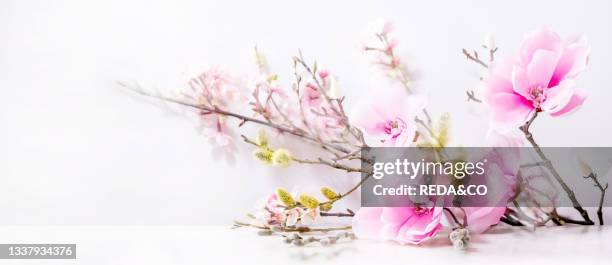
x: 335, y: 165
x: 472, y: 96
x: 511, y: 220
x: 551, y: 168
x: 474, y: 57
x: 603, y: 189
x: 301, y: 229
x: 348, y: 213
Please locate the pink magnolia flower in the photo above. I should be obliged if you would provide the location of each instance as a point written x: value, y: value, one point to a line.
x: 388, y: 119
x: 540, y: 78
x: 405, y: 225
x: 501, y: 169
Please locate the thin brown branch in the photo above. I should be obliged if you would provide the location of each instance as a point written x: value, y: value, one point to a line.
x: 551, y: 168
x: 472, y: 96
x: 242, y: 118
x: 332, y: 164
x: 474, y: 57
x: 348, y: 213
x: 603, y: 189
x: 511, y: 220
x: 302, y: 229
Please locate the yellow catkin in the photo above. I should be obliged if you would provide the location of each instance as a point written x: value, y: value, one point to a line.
x: 285, y: 197
x: 264, y: 155
x: 281, y: 158
x: 329, y: 193
x: 309, y: 201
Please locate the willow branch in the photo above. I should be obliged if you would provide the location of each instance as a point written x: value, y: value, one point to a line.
x: 301, y: 229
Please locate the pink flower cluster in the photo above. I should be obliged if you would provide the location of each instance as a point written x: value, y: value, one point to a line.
x: 271, y: 213
x: 215, y: 89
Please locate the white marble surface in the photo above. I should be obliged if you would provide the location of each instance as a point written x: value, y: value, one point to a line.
x: 219, y: 245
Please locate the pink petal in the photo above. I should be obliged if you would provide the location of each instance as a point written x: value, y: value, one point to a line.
x: 541, y: 68
x: 509, y: 110
x: 520, y: 82
x: 500, y: 78
x: 396, y: 214
x: 366, y: 222
x: 559, y: 96
x: 481, y: 218
x: 572, y: 62
x: 542, y: 39
x: 576, y: 101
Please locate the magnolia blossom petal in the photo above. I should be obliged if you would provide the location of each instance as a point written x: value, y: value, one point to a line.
x: 576, y: 101
x: 500, y: 79
x: 520, y: 82
x: 559, y: 96
x: 367, y: 223
x: 510, y: 111
x: 542, y: 39
x: 498, y: 139
x: 406, y: 225
x: 573, y: 60
x: 540, y: 69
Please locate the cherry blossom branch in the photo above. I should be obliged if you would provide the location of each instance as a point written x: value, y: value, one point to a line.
x: 240, y: 117
x: 548, y: 164
x: 337, y: 108
x: 395, y: 64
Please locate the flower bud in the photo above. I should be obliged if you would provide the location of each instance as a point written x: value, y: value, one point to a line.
x: 334, y: 91
x: 281, y: 158
x: 262, y: 62
x: 285, y: 197
x: 262, y: 138
x: 329, y: 193
x: 309, y: 201
x: 585, y: 169
x: 460, y: 238
x: 271, y: 78
x: 489, y: 42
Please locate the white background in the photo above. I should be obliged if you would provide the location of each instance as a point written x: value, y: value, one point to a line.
x: 76, y: 149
